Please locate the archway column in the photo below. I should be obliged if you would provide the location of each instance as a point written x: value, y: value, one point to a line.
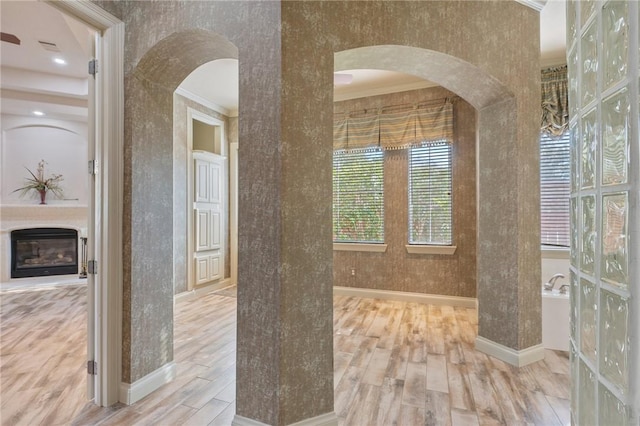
x: 285, y: 251
x: 508, y: 262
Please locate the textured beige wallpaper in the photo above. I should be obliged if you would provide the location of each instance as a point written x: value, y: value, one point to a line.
x: 396, y: 269
x: 286, y: 52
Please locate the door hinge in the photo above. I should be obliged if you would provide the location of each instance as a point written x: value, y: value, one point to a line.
x: 93, y: 167
x: 92, y: 368
x: 93, y: 67
x: 92, y: 267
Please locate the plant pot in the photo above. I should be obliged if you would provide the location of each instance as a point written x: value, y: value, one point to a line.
x: 43, y: 196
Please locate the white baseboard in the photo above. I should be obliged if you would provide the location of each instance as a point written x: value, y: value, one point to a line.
x: 328, y: 419
x: 131, y: 393
x: 191, y: 294
x: 511, y: 356
x: 403, y: 296
x: 245, y: 421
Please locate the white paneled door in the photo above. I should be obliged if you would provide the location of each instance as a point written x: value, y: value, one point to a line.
x: 208, y: 208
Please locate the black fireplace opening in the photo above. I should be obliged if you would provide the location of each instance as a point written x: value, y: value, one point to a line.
x: 38, y: 252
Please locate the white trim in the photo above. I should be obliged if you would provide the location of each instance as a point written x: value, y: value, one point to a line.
x: 403, y: 296
x: 205, y: 102
x: 90, y: 13
x: 430, y: 249
x: 131, y: 393
x: 194, y: 114
x: 346, y: 94
x: 199, y: 291
x: 511, y: 356
x: 112, y: 145
x: 233, y: 212
x: 245, y: 421
x: 554, y: 253
x: 371, y: 248
x: 110, y: 123
x: 537, y: 5
x: 328, y: 419
x: 553, y: 62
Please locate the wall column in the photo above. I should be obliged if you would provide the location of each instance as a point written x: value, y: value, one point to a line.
x: 508, y: 259
x: 285, y: 276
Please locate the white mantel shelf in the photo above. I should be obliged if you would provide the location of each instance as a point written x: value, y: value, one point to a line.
x: 15, y: 214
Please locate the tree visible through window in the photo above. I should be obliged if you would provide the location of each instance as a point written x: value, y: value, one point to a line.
x: 555, y: 189
x: 430, y: 194
x: 358, y: 196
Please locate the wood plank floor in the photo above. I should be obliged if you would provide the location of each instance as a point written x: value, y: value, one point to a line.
x: 43, y: 348
x: 395, y: 363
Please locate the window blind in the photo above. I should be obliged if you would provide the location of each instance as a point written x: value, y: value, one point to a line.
x: 555, y: 189
x: 430, y: 194
x: 358, y: 196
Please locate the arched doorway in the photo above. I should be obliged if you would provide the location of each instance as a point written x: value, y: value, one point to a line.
x: 149, y: 217
x: 496, y: 109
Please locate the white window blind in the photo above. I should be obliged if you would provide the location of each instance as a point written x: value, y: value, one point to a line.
x: 555, y: 189
x: 358, y: 196
x: 430, y: 194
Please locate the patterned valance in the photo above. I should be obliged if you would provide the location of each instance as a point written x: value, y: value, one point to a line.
x: 555, y: 110
x: 395, y: 127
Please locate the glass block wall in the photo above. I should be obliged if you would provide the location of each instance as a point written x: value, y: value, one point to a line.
x: 603, y: 55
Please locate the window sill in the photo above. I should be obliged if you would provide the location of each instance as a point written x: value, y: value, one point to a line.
x: 554, y: 253
x: 371, y: 248
x: 424, y: 249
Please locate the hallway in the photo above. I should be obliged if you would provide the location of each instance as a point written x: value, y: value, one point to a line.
x: 394, y: 362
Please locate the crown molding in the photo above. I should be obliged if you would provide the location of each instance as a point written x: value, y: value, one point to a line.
x: 88, y: 12
x: 533, y: 4
x: 205, y: 102
x: 345, y: 95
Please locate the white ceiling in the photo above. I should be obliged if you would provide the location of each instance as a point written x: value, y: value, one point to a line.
x: 30, y: 80
x: 217, y: 82
x: 553, y: 34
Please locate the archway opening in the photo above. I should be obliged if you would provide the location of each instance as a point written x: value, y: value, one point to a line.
x: 495, y: 110
x: 157, y: 189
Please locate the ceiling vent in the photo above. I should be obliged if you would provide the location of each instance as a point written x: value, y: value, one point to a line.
x: 51, y: 47
x: 10, y: 38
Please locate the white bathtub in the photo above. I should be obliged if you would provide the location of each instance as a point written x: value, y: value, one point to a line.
x: 555, y: 320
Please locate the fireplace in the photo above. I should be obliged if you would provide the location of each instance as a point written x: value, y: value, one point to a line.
x: 38, y: 252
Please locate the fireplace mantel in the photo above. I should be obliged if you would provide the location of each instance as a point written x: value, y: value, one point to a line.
x: 29, y: 212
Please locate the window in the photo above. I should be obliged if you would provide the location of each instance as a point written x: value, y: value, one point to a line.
x: 555, y: 189
x: 358, y: 197
x: 430, y: 194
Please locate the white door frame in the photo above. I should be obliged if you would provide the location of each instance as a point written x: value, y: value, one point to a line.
x: 233, y: 211
x: 93, y: 222
x: 109, y: 131
x: 193, y: 114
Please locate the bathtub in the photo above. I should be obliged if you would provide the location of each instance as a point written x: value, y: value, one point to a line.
x: 555, y: 320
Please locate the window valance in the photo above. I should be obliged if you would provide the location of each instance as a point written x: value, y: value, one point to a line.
x: 555, y: 110
x: 395, y: 127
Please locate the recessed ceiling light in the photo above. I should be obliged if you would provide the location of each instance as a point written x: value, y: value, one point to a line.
x: 59, y: 61
x: 38, y: 113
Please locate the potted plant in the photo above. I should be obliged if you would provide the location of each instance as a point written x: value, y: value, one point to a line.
x: 38, y: 183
